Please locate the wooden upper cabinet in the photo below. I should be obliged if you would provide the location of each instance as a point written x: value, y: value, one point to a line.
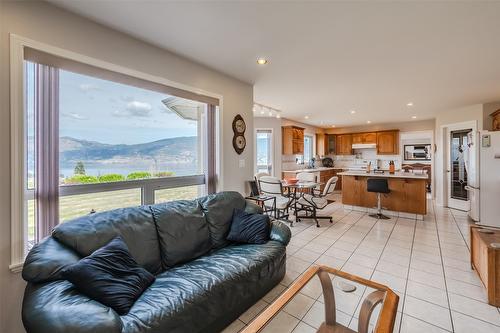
x: 370, y: 137
x: 330, y: 144
x: 344, y: 144
x: 357, y: 138
x: 292, y: 140
x: 321, y: 144
x: 388, y: 142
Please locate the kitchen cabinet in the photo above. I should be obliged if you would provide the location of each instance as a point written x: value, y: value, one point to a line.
x: 369, y: 137
x: 325, y: 144
x: 330, y: 144
x: 292, y: 140
x: 344, y: 144
x: 407, y: 195
x: 388, y: 142
x: 321, y: 144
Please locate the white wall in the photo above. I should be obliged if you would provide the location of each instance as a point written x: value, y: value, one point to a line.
x: 45, y: 23
x: 275, y: 125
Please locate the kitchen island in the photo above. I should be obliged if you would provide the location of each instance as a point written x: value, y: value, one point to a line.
x: 408, y: 191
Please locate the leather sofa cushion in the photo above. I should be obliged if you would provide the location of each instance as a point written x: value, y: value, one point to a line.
x: 57, y: 307
x: 217, y: 287
x: 182, y: 231
x: 135, y: 225
x: 111, y: 276
x: 46, y: 260
x: 218, y: 210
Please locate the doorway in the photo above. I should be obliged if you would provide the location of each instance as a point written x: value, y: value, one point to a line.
x: 456, y: 168
x: 264, y: 151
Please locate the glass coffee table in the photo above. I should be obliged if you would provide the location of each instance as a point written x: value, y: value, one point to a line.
x: 378, y: 297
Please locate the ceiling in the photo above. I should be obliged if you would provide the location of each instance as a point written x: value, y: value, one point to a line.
x: 328, y: 58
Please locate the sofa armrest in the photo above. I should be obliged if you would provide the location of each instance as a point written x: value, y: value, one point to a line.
x: 280, y: 232
x: 57, y: 307
x: 253, y: 208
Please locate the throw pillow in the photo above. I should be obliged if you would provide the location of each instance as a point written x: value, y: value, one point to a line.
x: 249, y: 228
x: 110, y: 276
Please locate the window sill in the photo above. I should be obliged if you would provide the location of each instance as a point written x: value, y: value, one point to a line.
x: 16, y: 268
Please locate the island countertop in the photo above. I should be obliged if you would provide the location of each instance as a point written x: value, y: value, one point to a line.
x: 399, y: 174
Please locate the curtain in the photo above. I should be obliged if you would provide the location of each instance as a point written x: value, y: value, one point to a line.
x: 47, y: 149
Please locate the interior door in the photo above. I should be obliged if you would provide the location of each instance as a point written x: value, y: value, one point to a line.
x: 458, y: 196
x: 264, y: 151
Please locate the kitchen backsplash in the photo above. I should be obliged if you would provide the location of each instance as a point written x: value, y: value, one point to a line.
x: 363, y: 157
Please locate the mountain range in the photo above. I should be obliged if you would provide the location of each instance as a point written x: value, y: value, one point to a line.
x: 178, y: 150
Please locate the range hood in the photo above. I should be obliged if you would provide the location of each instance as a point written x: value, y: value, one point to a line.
x: 364, y: 146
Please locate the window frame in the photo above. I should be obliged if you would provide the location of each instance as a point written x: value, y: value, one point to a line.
x: 271, y: 149
x: 19, y: 191
x: 311, y: 147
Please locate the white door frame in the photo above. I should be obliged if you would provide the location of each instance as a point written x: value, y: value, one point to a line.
x: 446, y: 130
x: 271, y: 149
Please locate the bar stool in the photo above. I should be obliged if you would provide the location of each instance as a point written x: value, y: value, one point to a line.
x: 378, y: 185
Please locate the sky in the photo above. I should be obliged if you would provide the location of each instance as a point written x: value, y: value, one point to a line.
x: 99, y: 110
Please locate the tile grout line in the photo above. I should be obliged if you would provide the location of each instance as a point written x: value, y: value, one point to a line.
x: 408, y: 274
x: 444, y: 271
x: 378, y: 259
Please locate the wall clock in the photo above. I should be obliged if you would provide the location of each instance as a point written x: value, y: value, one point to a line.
x: 239, y: 127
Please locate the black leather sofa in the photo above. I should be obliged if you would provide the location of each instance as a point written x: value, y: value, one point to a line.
x: 202, y: 294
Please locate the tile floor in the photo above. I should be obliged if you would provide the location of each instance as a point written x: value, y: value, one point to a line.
x: 425, y: 262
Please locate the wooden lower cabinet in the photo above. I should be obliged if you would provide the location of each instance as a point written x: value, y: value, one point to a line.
x: 407, y: 195
x: 486, y: 260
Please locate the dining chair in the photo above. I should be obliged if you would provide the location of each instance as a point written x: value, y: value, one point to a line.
x: 311, y: 203
x: 257, y: 177
x: 307, y: 177
x: 272, y: 186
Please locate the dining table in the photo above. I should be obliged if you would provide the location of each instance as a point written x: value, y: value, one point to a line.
x: 294, y: 191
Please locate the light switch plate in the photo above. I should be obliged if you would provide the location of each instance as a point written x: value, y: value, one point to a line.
x: 242, y: 163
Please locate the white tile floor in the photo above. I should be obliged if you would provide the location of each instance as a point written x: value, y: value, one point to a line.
x: 425, y: 262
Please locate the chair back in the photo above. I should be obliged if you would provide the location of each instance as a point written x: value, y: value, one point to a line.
x: 270, y: 185
x: 330, y: 185
x: 306, y: 177
x: 378, y: 185
x: 257, y: 177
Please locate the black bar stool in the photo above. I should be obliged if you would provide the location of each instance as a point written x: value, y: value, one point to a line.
x: 378, y: 185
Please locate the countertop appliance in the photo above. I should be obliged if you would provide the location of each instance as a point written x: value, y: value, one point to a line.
x: 327, y: 162
x: 483, y: 177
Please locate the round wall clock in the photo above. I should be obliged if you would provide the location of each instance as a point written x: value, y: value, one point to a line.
x: 239, y: 127
x: 239, y: 143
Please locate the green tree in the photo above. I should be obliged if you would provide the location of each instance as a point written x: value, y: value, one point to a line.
x: 79, y: 168
x: 138, y: 175
x: 111, y: 177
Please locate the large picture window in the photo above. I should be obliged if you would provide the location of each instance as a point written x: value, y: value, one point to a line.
x: 93, y: 143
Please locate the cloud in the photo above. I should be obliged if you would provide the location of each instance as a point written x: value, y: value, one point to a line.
x: 135, y: 109
x: 74, y: 115
x: 88, y: 87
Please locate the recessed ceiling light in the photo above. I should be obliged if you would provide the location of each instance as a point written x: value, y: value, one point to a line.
x: 353, y: 111
x: 270, y: 113
x: 413, y: 117
x: 262, y: 112
x: 368, y: 121
x: 409, y: 104
x: 306, y: 117
x: 333, y: 125
x: 262, y: 61
x: 278, y: 116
